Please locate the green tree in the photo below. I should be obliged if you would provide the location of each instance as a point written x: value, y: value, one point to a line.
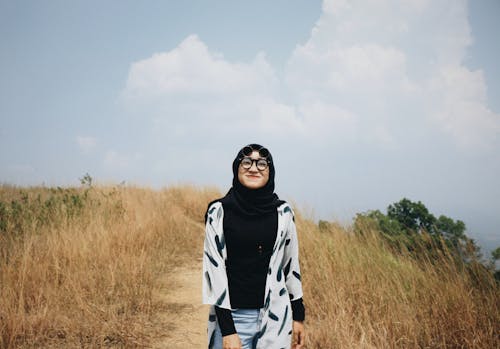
x: 450, y: 229
x: 412, y: 215
x: 495, y: 254
x: 410, y: 223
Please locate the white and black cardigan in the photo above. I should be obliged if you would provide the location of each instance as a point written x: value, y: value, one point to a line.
x: 283, y: 282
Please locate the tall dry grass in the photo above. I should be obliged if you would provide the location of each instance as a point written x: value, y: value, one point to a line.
x: 359, y: 293
x: 79, y: 268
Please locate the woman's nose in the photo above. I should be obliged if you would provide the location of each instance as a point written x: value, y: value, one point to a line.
x: 253, y: 168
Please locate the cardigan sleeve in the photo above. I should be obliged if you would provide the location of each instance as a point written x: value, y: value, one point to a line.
x: 298, y: 310
x: 226, y: 322
x: 291, y: 261
x: 215, y: 290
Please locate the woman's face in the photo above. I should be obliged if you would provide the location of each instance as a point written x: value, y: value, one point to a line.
x: 253, y: 178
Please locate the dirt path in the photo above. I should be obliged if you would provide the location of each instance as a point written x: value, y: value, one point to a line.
x: 189, y: 316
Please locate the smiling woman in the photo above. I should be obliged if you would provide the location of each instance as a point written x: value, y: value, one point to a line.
x: 251, y: 271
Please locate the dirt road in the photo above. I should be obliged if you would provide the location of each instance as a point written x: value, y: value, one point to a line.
x: 189, y: 318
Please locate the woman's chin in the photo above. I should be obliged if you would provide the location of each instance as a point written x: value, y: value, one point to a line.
x: 253, y: 185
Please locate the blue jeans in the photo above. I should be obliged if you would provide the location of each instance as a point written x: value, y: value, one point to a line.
x: 246, y: 322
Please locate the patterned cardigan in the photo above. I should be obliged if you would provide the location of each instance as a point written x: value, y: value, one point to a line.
x: 283, y: 282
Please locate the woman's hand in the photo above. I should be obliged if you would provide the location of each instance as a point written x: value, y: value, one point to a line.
x: 231, y: 341
x: 299, y: 335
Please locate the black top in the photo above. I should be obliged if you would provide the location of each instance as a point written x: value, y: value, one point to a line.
x: 249, y: 246
x: 250, y: 243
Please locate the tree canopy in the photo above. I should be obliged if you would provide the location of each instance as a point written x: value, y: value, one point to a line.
x: 409, y: 223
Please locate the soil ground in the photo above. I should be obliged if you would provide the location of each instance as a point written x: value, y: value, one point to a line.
x: 188, y: 317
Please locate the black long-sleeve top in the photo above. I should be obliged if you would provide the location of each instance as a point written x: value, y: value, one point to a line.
x: 249, y: 246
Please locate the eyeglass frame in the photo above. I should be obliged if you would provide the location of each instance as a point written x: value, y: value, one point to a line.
x: 267, y: 162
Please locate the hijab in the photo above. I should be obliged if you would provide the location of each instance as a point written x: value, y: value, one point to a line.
x: 251, y: 202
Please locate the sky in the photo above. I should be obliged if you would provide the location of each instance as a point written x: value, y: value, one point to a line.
x: 361, y: 103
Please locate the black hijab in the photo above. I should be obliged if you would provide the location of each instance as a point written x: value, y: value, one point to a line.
x: 251, y: 202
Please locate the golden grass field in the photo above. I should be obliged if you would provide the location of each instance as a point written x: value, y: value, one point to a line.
x: 79, y: 268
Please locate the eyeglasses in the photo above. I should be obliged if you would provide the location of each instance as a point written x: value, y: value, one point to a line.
x: 247, y: 163
x: 248, y: 150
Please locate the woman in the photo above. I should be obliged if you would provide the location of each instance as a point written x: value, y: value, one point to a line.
x: 251, y: 272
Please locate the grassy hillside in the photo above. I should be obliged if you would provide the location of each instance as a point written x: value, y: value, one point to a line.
x: 79, y: 267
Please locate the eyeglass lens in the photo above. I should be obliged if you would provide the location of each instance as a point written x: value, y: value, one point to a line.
x: 261, y: 164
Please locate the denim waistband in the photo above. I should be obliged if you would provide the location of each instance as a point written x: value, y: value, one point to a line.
x: 244, y: 311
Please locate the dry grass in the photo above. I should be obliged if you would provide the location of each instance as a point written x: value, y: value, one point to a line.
x: 83, y: 275
x: 359, y: 294
x: 80, y: 271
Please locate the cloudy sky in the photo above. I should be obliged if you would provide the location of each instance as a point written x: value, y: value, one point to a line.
x: 361, y: 103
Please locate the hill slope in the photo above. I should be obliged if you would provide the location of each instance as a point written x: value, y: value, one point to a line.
x: 99, y: 267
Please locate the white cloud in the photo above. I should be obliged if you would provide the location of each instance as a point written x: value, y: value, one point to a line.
x: 86, y: 144
x: 279, y: 119
x: 328, y: 124
x: 463, y: 111
x: 386, y: 61
x: 316, y: 123
x: 191, y: 69
x: 379, y: 72
x: 191, y: 92
x: 355, y: 70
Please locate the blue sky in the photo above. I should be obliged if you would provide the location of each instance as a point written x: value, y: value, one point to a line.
x: 361, y: 103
